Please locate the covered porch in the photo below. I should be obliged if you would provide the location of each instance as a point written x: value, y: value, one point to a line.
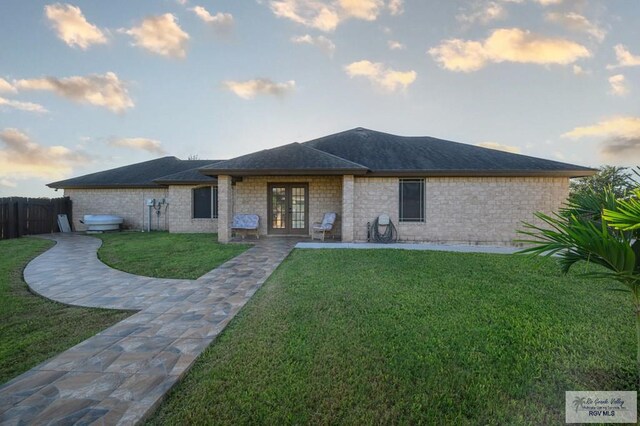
x: 289, y: 187
x: 287, y: 205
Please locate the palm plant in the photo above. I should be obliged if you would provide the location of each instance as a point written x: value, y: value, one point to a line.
x: 598, y: 228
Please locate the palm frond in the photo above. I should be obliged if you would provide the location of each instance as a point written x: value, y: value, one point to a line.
x: 575, y: 239
x: 626, y: 215
x: 589, y: 203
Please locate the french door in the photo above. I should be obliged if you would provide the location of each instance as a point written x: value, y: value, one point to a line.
x: 288, y: 208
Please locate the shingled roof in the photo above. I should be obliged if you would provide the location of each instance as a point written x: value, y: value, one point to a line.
x: 358, y: 151
x: 191, y: 176
x: 386, y: 154
x: 148, y: 174
x: 291, y: 159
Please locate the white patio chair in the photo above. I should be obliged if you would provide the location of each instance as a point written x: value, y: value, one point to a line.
x: 324, y: 227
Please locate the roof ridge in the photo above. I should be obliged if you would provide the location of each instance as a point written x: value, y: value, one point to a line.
x: 333, y: 155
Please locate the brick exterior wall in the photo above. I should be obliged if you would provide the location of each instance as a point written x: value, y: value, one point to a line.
x: 129, y: 204
x: 125, y: 202
x: 458, y: 210
x: 180, y: 212
x: 461, y: 210
x: 325, y: 195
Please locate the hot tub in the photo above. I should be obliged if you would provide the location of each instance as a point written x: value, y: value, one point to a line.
x: 102, y: 222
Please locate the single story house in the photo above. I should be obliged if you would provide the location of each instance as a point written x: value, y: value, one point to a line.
x: 433, y: 190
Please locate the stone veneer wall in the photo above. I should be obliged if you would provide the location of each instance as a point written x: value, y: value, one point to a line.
x: 482, y: 210
x: 125, y: 202
x: 325, y: 195
x: 180, y: 212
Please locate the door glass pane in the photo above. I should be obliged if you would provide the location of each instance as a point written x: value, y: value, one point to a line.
x: 297, y: 207
x: 278, y: 207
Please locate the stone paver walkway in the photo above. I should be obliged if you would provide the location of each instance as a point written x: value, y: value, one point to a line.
x: 120, y: 375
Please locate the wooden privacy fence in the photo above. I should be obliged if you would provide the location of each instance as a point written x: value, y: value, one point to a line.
x: 29, y: 216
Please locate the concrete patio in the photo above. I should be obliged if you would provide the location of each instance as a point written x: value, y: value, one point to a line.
x: 121, y: 375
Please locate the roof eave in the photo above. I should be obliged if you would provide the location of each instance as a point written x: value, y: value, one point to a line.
x: 187, y: 182
x: 105, y: 186
x: 485, y: 173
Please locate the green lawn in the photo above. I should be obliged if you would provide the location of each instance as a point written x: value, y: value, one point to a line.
x: 367, y: 336
x: 165, y: 255
x: 32, y: 328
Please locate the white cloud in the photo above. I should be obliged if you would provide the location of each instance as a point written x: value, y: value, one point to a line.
x: 72, y: 27
x: 386, y: 78
x: 507, y: 45
x: 321, y: 42
x: 618, y: 85
x: 621, y: 138
x: 367, y: 10
x: 249, y: 89
x: 625, y: 57
x: 576, y: 22
x: 396, y: 45
x: 624, y: 127
x: 396, y: 7
x: 578, y: 70
x: 104, y: 90
x: 6, y: 87
x: 500, y: 147
x: 22, y: 106
x: 483, y: 12
x: 327, y: 15
x: 460, y: 55
x: 161, y: 35
x: 221, y: 22
x: 143, y: 144
x: 620, y: 141
x: 22, y: 158
x: 311, y: 13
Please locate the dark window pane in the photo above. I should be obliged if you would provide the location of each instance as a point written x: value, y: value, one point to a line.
x: 411, y: 200
x: 202, y: 203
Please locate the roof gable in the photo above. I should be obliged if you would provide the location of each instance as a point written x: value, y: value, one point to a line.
x: 289, y: 159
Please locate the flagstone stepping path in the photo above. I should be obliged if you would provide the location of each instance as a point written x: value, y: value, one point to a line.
x: 120, y: 375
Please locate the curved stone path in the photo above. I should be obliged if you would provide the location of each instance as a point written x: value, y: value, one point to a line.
x: 120, y: 375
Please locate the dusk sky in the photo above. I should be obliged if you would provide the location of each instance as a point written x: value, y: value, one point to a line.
x: 91, y: 85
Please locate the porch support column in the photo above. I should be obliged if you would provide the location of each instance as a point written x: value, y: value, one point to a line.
x: 225, y: 208
x: 348, y: 195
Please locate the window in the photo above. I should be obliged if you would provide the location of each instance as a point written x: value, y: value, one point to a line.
x: 205, y: 202
x: 411, y: 200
